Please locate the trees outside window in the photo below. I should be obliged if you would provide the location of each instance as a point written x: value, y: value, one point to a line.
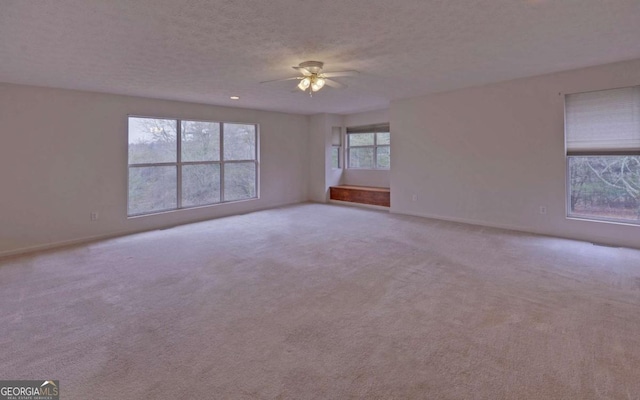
x: 369, y: 147
x: 335, y: 157
x: 606, y: 187
x: 212, y: 162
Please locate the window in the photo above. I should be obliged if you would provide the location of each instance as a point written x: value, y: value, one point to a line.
x: 369, y: 147
x: 176, y: 164
x: 336, y: 147
x: 602, y: 133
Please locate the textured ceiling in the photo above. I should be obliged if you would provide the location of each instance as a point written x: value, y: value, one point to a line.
x: 206, y: 51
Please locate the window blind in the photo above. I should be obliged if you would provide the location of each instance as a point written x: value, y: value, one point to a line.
x: 368, y: 129
x: 603, y: 122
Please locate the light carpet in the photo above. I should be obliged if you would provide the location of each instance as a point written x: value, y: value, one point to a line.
x: 321, y: 301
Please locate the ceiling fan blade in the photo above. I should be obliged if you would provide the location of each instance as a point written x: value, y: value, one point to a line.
x: 339, y: 73
x: 302, y: 70
x: 284, y: 79
x: 334, y: 84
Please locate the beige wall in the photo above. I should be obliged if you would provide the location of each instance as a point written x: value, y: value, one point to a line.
x: 492, y: 155
x: 63, y: 155
x: 317, y: 157
x: 321, y: 174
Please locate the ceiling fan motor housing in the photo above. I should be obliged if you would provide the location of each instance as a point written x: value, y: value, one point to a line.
x: 313, y: 67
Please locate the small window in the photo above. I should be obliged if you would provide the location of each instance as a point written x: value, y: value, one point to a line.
x: 602, y: 133
x: 369, y: 147
x: 335, y: 157
x: 210, y: 163
x: 336, y: 147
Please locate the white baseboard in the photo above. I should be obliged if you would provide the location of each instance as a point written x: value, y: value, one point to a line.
x: 514, y: 228
x: 111, y: 235
x: 65, y: 243
x: 469, y: 221
x: 359, y: 205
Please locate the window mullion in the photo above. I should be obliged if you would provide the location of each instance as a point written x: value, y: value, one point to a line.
x: 255, y: 160
x: 164, y: 164
x: 221, y: 162
x: 375, y: 149
x: 375, y: 157
x: 179, y: 164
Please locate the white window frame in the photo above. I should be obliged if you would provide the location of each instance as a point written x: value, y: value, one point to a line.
x: 375, y: 129
x: 569, y: 154
x: 178, y: 164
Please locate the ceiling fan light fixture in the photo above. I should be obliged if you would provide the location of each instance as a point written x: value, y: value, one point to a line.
x: 304, y: 83
x: 313, y: 78
x: 317, y: 84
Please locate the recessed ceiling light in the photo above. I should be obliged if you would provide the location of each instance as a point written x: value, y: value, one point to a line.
x: 235, y: 97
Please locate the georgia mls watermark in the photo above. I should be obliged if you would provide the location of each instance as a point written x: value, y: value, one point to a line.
x: 29, y: 390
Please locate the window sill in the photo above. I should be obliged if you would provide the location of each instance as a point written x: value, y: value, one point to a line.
x: 174, y: 210
x: 603, y: 221
x: 368, y: 169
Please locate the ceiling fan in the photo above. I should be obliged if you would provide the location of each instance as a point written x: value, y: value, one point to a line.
x: 313, y: 79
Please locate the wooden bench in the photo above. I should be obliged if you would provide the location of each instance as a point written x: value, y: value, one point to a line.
x: 375, y: 196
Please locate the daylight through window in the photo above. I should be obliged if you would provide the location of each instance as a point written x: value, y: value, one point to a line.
x: 369, y: 147
x: 602, y: 133
x: 336, y: 147
x: 177, y: 164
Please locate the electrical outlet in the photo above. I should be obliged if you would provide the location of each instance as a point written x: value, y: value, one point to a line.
x: 94, y: 216
x: 543, y: 210
x: 414, y: 197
